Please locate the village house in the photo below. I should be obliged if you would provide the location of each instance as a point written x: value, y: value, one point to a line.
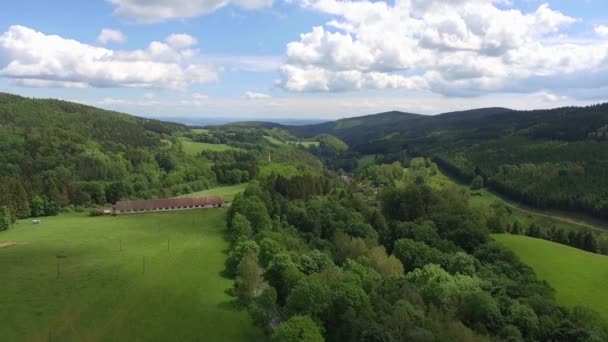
x: 142, y: 206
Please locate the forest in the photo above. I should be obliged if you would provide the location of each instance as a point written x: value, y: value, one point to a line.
x: 553, y: 159
x: 410, y: 263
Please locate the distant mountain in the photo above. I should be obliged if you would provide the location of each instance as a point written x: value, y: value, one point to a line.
x: 555, y: 158
x: 217, y: 121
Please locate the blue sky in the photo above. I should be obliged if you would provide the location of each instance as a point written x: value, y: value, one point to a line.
x: 305, y: 58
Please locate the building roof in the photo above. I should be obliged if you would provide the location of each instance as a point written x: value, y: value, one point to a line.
x: 168, y: 203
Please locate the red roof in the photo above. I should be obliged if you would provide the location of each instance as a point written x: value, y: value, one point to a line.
x: 168, y: 203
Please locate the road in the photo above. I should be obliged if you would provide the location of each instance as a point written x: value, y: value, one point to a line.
x: 559, y: 218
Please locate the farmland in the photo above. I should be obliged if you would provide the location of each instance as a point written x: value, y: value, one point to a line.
x: 124, y: 278
x: 579, y: 277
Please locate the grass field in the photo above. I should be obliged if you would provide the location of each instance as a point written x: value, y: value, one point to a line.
x: 579, y: 277
x: 228, y: 192
x: 153, y: 277
x: 194, y: 148
x: 278, y: 142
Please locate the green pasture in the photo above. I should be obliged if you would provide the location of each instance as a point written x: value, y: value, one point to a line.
x: 194, y: 148
x: 228, y: 192
x: 579, y: 277
x: 152, y: 277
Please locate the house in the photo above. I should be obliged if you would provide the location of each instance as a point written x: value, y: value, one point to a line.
x: 170, y: 204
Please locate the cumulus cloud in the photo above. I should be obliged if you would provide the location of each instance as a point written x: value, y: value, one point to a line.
x: 34, y: 59
x: 602, y: 30
x: 150, y: 11
x: 454, y: 48
x: 109, y: 35
x: 181, y: 40
x: 250, y: 95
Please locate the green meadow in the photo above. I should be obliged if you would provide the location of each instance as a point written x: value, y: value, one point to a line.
x: 579, y: 277
x: 151, y: 277
x: 228, y: 192
x: 194, y: 148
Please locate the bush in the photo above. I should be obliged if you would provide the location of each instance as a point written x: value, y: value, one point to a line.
x: 95, y: 212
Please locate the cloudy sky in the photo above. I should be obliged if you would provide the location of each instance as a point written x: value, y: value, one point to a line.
x: 305, y: 58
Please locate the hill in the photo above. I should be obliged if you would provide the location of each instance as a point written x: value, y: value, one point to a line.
x: 576, y: 275
x: 55, y: 153
x: 555, y: 158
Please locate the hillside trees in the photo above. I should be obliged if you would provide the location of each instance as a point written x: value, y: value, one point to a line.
x: 430, y: 272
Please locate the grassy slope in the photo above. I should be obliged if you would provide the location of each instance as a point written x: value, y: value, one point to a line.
x: 228, y: 192
x: 278, y: 142
x: 194, y: 148
x: 103, y: 294
x: 578, y: 276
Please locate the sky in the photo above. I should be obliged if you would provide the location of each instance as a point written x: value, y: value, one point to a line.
x: 294, y: 59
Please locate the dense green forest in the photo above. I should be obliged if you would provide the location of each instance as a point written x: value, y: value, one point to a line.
x: 410, y: 263
x: 546, y: 158
x: 56, y: 155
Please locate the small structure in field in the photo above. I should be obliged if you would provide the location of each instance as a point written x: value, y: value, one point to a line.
x: 36, y: 221
x: 143, y: 206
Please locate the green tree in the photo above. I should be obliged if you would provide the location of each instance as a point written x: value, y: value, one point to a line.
x: 440, y: 288
x: 480, y: 308
x: 298, y: 329
x: 413, y: 254
x: 268, y: 249
x: 5, y: 218
x: 477, y: 183
x: 310, y: 297
x: 237, y: 254
x: 249, y: 278
x: 240, y: 228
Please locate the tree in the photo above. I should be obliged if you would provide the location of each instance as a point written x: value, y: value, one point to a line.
x: 440, y: 288
x: 237, y: 254
x: 387, y: 266
x: 240, y: 228
x: 5, y: 218
x: 413, y: 254
x: 249, y: 279
x: 310, y: 297
x: 524, y: 318
x: 283, y: 274
x: 480, y: 308
x: 298, y: 329
x: 314, y: 262
x: 268, y: 249
x: 477, y: 183
x: 255, y: 211
x: 38, y: 206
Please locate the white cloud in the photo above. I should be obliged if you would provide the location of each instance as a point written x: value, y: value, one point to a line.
x: 150, y: 11
x: 199, y: 96
x: 34, y: 59
x: 602, y: 31
x: 454, y: 48
x: 181, y: 40
x: 547, y: 96
x: 250, y: 95
x: 109, y: 35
